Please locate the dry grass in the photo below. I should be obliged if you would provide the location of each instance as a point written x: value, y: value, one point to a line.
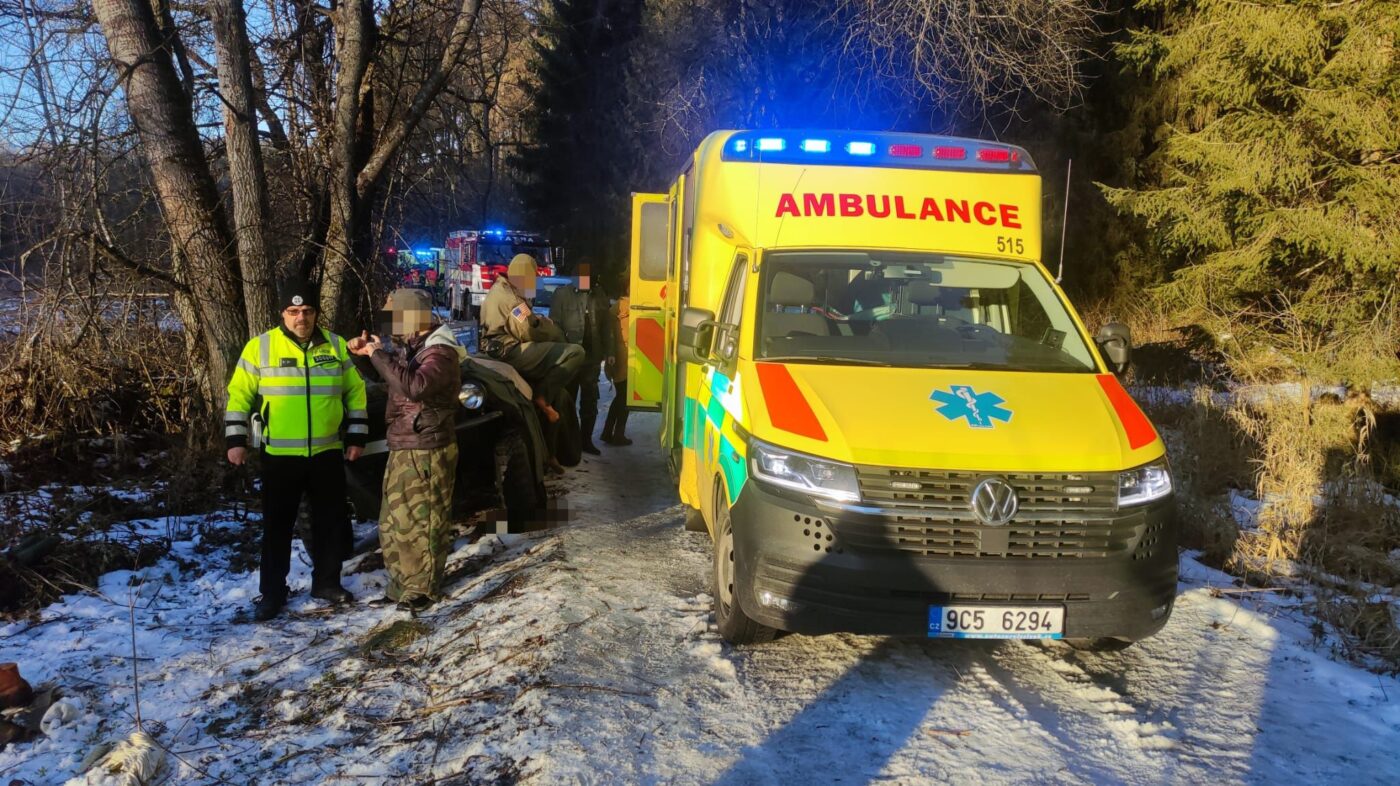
x: 82, y: 367
x: 1304, y: 447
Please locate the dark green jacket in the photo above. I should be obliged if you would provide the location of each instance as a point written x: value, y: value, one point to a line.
x: 584, y: 318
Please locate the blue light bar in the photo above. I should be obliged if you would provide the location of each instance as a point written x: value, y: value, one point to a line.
x: 820, y: 147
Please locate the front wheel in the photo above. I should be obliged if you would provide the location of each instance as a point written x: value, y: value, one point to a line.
x: 734, y: 625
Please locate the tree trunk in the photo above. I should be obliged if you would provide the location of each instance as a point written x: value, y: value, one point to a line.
x: 353, y: 186
x: 245, y: 162
x: 163, y: 117
x: 353, y: 34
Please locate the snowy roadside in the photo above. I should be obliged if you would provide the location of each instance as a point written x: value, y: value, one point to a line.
x: 587, y: 655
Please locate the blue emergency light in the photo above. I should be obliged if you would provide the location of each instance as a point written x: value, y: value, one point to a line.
x: 876, y: 148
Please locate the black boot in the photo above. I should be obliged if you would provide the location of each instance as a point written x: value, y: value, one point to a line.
x: 332, y: 593
x: 585, y: 433
x: 268, y: 606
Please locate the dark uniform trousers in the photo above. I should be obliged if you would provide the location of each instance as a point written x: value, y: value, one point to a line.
x: 548, y: 366
x: 616, y: 423
x: 285, y: 479
x: 588, y: 398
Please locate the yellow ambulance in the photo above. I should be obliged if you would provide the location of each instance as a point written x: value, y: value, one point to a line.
x: 879, y: 404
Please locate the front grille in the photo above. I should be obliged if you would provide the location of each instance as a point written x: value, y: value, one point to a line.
x: 1039, y: 492
x: 1061, y: 516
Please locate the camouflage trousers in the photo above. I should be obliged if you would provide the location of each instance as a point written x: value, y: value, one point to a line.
x: 415, y: 524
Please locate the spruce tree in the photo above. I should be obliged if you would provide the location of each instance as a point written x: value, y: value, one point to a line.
x: 1272, y: 194
x: 571, y: 184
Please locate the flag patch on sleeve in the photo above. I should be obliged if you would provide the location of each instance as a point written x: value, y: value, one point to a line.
x: 521, y: 311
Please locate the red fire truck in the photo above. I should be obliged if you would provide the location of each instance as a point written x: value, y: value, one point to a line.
x: 474, y: 257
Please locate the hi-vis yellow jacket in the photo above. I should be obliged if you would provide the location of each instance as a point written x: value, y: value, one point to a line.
x: 307, y: 390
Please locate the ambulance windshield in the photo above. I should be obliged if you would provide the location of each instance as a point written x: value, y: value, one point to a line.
x: 915, y: 310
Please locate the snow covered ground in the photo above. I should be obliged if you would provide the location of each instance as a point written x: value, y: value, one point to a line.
x: 586, y: 655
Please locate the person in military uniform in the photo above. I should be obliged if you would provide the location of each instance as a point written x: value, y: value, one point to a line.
x: 300, y: 381
x: 530, y: 343
x: 581, y: 311
x: 422, y: 367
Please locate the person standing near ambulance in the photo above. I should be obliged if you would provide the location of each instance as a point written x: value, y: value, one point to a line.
x: 299, y: 378
x: 581, y: 311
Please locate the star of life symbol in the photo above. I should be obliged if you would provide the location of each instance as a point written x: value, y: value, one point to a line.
x: 979, y: 409
x: 296, y: 300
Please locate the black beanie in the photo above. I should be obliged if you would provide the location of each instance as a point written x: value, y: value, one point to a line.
x: 297, y: 292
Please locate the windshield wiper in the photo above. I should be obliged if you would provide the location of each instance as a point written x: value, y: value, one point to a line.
x: 825, y: 360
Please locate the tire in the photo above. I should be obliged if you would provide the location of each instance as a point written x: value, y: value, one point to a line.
x: 734, y: 625
x: 1099, y: 645
x: 518, y: 481
x: 695, y: 521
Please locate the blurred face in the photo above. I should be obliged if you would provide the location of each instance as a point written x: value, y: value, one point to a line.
x: 300, y: 320
x: 411, y: 322
x: 525, y: 285
x: 584, y: 276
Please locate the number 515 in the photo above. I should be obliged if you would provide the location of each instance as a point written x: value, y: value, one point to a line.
x: 1013, y: 245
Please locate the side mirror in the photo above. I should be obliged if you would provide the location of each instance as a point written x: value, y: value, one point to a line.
x: 1116, y: 341
x: 695, y: 335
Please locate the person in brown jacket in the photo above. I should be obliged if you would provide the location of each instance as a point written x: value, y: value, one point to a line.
x: 424, y: 376
x: 615, y: 427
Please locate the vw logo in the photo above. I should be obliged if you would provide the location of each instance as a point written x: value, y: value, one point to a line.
x: 994, y: 502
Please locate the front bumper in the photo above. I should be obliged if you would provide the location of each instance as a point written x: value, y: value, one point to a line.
x: 822, y: 568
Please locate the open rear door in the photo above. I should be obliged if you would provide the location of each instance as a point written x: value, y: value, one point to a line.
x: 646, y: 339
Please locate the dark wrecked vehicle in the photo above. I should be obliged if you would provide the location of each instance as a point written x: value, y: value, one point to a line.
x: 500, y: 447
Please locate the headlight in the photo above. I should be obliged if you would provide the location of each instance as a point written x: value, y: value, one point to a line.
x: 471, y: 395
x: 1144, y: 484
x: 804, y: 473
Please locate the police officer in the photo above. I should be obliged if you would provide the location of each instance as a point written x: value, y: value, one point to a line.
x: 306, y: 388
x: 581, y: 311
x: 530, y: 343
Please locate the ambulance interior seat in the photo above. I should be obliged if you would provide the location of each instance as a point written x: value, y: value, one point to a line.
x: 790, y: 291
x: 921, y: 321
x: 928, y: 298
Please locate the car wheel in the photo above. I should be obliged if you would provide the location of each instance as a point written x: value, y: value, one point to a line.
x: 734, y: 625
x: 518, y: 481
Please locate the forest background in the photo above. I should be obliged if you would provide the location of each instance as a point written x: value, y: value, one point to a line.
x: 1235, y: 198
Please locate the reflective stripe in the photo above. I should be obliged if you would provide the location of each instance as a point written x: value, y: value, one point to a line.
x: 265, y: 350
x: 249, y: 367
x: 232, y: 415
x: 357, y: 428
x: 300, y: 371
x: 362, y: 414
x: 316, y: 442
x: 235, y: 431
x: 377, y: 446
x: 299, y: 390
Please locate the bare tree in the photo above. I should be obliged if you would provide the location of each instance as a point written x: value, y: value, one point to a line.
x: 203, y: 266
x: 247, y: 176
x: 975, y: 56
